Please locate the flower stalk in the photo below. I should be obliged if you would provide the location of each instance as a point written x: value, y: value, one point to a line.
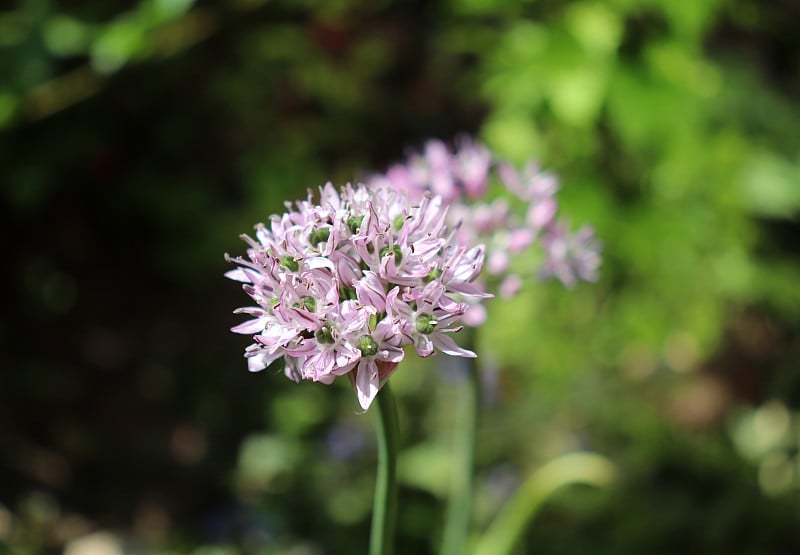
x: 384, y: 510
x: 459, y: 502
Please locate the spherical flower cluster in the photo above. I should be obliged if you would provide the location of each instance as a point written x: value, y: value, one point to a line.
x: 462, y: 177
x: 342, y: 286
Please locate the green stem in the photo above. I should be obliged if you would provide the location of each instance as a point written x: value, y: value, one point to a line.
x: 381, y: 541
x: 459, y: 502
x: 509, y: 526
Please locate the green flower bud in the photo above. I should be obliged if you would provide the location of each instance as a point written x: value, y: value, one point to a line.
x: 347, y: 294
x: 436, y: 273
x: 324, y: 335
x: 290, y: 263
x: 319, y: 235
x: 398, y: 222
x: 310, y: 303
x: 367, y: 346
x: 354, y: 223
x: 398, y: 254
x: 425, y: 323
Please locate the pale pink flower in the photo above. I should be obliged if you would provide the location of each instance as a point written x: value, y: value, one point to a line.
x: 471, y: 165
x: 572, y: 257
x: 340, y: 286
x: 424, y: 317
x: 510, y: 286
x: 475, y: 315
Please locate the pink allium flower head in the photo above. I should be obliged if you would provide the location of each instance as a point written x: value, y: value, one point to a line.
x: 508, y: 229
x: 340, y: 287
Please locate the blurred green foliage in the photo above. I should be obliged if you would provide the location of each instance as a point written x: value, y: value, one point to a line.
x: 138, y: 139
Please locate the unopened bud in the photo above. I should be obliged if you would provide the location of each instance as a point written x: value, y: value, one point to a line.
x: 290, y: 263
x: 319, y: 235
x: 354, y: 223
x: 436, y: 273
x: 425, y: 323
x: 367, y: 346
x: 324, y: 335
x: 310, y: 303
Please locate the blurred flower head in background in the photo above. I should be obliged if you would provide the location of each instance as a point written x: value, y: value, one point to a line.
x: 509, y: 211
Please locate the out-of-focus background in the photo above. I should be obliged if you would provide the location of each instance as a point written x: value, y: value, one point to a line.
x: 138, y: 139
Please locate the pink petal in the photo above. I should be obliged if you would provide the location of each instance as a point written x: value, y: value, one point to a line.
x: 540, y: 214
x: 474, y: 316
x: 261, y: 360
x: 250, y: 327
x: 367, y: 383
x: 468, y: 289
x: 423, y: 345
x: 510, y: 286
x: 237, y: 275
x: 446, y: 344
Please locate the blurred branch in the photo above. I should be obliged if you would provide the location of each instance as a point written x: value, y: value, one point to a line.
x: 59, y: 93
x: 81, y: 83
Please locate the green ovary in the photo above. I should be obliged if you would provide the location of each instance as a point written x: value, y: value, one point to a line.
x: 367, y: 346
x: 425, y: 324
